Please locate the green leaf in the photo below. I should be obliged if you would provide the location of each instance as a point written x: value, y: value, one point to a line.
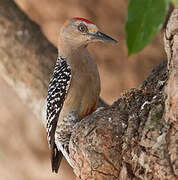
x: 175, y: 2
x: 144, y: 19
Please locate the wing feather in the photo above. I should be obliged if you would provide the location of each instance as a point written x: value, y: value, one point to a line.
x: 57, y: 91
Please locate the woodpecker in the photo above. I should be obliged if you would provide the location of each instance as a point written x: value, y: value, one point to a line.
x: 74, y: 88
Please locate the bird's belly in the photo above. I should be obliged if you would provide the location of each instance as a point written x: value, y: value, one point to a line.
x: 82, y: 97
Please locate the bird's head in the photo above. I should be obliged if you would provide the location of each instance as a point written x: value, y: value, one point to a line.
x: 80, y: 31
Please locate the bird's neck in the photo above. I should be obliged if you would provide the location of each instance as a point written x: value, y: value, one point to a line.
x: 66, y: 49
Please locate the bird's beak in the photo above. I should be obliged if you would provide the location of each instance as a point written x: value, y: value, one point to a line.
x: 99, y: 36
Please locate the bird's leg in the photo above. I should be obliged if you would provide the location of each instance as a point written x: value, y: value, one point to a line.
x: 63, y: 133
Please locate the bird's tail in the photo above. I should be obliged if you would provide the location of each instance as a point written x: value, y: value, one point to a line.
x: 56, y: 157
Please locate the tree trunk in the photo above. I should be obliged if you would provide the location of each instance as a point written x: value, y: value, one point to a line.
x: 135, y: 138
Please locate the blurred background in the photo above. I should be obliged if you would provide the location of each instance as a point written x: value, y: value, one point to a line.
x: 23, y: 148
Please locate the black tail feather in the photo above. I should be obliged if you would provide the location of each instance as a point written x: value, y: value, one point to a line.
x: 56, y: 157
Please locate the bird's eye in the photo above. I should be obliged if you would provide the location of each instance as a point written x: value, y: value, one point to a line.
x: 82, y: 28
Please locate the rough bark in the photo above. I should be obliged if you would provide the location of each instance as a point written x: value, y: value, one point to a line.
x: 171, y: 104
x: 135, y: 138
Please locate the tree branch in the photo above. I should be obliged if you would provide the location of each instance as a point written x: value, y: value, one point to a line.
x: 135, y: 138
x: 171, y: 104
x: 27, y: 57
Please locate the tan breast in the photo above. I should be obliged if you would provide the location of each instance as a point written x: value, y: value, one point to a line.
x: 84, y: 90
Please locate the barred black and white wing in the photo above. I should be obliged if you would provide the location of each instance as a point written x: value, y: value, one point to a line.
x: 57, y: 91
